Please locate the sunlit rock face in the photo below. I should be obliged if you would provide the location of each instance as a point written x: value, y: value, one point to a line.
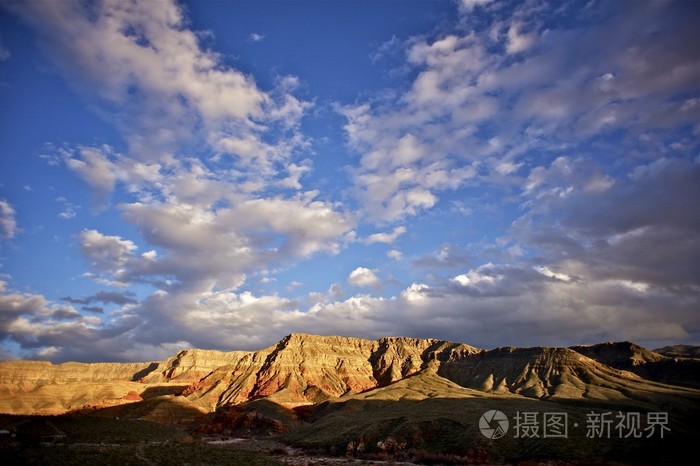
x: 307, y: 369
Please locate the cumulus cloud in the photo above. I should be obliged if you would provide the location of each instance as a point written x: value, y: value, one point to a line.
x: 599, y: 234
x: 494, y: 305
x: 448, y: 130
x: 158, y: 80
x: 487, y: 306
x: 106, y: 252
x: 363, y: 277
x: 201, y: 243
x: 8, y: 221
x: 204, y: 222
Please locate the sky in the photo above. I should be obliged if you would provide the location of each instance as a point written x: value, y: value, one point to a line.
x: 178, y: 174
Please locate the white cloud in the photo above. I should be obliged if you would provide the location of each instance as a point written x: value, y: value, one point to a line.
x: 491, y: 305
x: 203, y: 245
x: 295, y: 173
x: 416, y: 293
x: 363, y: 277
x: 517, y: 41
x: 13, y: 305
x: 476, y: 277
x: 394, y: 254
x: 94, y: 168
x: 210, y: 222
x: 466, y: 6
x: 157, y: 80
x: 385, y: 237
x: 101, y: 168
x: 547, y: 272
x: 617, y: 247
x: 110, y: 255
x: 447, y: 130
x: 67, y: 214
x: 106, y: 251
x: 255, y: 37
x: 336, y: 291
x: 8, y: 222
x: 69, y: 210
x: 642, y: 229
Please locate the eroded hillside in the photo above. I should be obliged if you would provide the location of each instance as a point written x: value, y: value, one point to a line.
x: 307, y: 369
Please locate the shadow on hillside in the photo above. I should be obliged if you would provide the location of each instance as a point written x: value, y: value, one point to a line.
x: 74, y: 428
x: 432, y: 429
x: 73, y: 439
x: 161, y: 390
x: 144, y: 372
x: 401, y: 430
x: 164, y: 410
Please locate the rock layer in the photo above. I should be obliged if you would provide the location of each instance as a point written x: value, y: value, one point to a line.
x: 307, y: 369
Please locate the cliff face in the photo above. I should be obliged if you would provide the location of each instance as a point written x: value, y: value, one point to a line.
x: 191, y: 365
x: 305, y: 369
x: 25, y: 375
x: 39, y: 387
x: 300, y: 369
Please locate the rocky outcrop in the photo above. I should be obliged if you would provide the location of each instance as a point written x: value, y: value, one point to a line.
x: 191, y: 365
x: 645, y: 363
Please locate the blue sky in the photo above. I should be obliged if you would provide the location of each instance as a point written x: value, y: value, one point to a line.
x: 220, y: 174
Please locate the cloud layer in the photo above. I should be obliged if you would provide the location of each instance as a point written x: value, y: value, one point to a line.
x: 566, y: 138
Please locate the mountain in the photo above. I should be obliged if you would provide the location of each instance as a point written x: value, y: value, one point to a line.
x: 303, y: 370
x: 647, y: 364
x: 552, y: 373
x: 680, y: 351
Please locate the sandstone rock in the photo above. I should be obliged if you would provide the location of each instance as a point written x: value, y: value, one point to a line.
x: 307, y: 369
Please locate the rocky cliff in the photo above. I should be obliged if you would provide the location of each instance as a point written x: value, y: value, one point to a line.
x: 304, y: 369
x: 39, y: 387
x: 308, y: 369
